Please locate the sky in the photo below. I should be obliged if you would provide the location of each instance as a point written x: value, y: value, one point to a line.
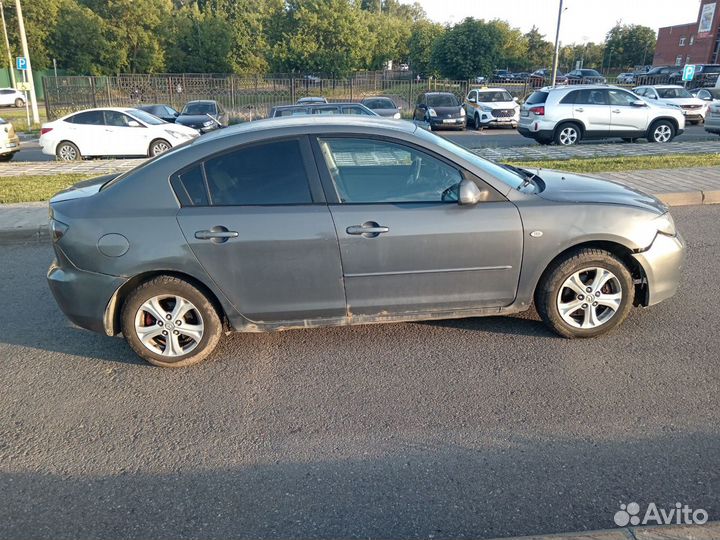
x: 583, y: 20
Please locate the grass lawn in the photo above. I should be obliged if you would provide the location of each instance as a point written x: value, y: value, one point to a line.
x: 17, y: 189
x: 619, y: 164
x: 19, y: 119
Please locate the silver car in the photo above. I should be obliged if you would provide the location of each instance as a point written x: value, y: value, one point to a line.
x: 319, y: 221
x: 567, y: 114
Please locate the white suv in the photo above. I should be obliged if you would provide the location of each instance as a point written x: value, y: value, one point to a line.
x: 567, y: 114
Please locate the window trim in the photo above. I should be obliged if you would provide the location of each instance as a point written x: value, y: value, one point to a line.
x: 317, y: 195
x: 330, y: 189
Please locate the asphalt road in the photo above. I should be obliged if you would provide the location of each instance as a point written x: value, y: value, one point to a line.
x: 493, y: 138
x: 461, y: 429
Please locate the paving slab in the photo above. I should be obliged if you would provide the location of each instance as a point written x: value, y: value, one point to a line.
x: 707, y: 531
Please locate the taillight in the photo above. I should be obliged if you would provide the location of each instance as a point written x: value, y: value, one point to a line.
x: 539, y: 111
x: 45, y: 130
x: 58, y: 229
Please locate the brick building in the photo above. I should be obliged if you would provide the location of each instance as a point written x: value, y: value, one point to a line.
x: 693, y: 43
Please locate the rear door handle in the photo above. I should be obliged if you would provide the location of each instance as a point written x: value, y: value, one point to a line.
x: 579, y: 109
x: 369, y: 229
x: 616, y: 110
x: 217, y: 234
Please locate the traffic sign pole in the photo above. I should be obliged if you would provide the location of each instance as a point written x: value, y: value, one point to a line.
x: 27, y: 106
x: 26, y: 54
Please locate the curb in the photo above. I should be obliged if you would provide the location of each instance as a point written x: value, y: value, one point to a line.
x: 41, y: 233
x: 708, y: 531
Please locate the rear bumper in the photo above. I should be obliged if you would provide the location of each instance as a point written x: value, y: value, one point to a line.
x: 10, y: 146
x: 539, y: 135
x: 662, y: 264
x: 82, y: 296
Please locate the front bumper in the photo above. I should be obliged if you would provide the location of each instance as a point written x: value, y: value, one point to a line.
x: 10, y: 146
x: 82, y: 296
x: 662, y: 264
x: 449, y: 123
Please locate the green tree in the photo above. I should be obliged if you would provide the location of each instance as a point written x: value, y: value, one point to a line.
x: 324, y: 36
x: 202, y: 42
x: 539, y: 51
x: 630, y: 45
x: 468, y: 49
x: 514, y: 49
x: 41, y: 19
x: 389, y: 38
x: 423, y: 36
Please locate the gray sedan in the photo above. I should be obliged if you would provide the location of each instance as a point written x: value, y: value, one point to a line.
x: 318, y: 221
x: 383, y: 106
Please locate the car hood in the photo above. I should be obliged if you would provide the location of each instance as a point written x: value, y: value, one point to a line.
x: 567, y: 187
x: 191, y: 119
x: 498, y: 104
x: 445, y: 111
x: 386, y: 112
x: 684, y: 101
x: 86, y: 188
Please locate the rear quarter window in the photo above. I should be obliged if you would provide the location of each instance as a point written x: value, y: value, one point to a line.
x: 537, y: 97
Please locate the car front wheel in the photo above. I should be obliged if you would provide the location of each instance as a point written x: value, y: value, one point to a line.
x: 158, y: 147
x: 170, y: 323
x: 19, y: 103
x: 585, y: 293
x: 662, y: 132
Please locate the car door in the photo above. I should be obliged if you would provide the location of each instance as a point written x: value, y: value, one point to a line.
x: 87, y: 131
x: 420, y: 108
x: 592, y: 108
x: 125, y: 136
x: 406, y: 245
x: 626, y: 118
x: 256, y: 219
x: 7, y: 97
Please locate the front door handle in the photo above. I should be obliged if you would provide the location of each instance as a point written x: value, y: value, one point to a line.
x: 217, y: 234
x: 579, y: 109
x: 369, y: 229
x: 616, y: 110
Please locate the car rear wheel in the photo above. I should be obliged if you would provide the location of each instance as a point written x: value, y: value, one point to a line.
x: 7, y: 157
x: 584, y: 294
x: 19, y: 103
x: 662, y: 132
x: 476, y: 122
x: 67, y: 151
x: 567, y: 134
x: 170, y: 323
x: 158, y: 147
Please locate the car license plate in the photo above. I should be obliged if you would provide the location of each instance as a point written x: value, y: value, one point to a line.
x: 525, y: 114
x: 448, y: 121
x: 12, y: 145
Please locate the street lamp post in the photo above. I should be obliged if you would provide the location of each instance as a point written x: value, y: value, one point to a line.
x: 557, y: 45
x: 26, y: 54
x: 7, y: 45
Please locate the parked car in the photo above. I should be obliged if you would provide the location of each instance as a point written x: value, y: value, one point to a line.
x: 311, y: 99
x: 9, y: 97
x: 521, y: 77
x: 164, y: 112
x: 585, y: 76
x: 626, y: 78
x: 9, y: 141
x: 705, y: 75
x: 712, y: 119
x: 693, y: 108
x: 657, y: 75
x: 543, y: 77
x: 203, y: 115
x: 404, y: 67
x: 566, y: 115
x: 501, y: 75
x: 383, y: 106
x: 485, y: 107
x: 398, y: 225
x: 706, y: 94
x: 110, y: 132
x: 440, y: 110
x: 321, y: 108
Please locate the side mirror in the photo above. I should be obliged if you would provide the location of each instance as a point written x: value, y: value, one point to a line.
x: 399, y: 107
x: 176, y: 114
x: 515, y: 99
x: 472, y: 100
x: 639, y: 103
x: 471, y: 194
x: 133, y: 123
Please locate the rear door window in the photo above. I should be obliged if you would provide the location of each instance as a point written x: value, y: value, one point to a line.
x: 592, y: 97
x: 93, y: 118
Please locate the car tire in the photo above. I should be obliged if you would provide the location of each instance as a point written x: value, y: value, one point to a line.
x: 19, y: 103
x: 476, y: 122
x: 661, y: 131
x: 158, y: 146
x: 7, y: 157
x: 567, y: 134
x: 166, y: 345
x: 67, y: 151
x: 571, y: 279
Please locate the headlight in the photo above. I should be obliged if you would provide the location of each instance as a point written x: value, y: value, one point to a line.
x: 396, y: 116
x: 485, y: 108
x: 462, y: 111
x: 431, y: 112
x: 208, y: 123
x: 57, y: 229
x: 665, y: 224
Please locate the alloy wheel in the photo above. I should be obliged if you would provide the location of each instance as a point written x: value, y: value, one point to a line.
x: 159, y: 147
x: 67, y: 152
x: 589, y: 298
x: 568, y: 136
x: 662, y: 133
x: 169, y: 325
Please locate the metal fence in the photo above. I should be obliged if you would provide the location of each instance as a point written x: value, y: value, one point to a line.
x: 247, y: 98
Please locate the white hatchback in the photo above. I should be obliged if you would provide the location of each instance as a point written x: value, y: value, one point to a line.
x: 111, y: 132
x: 9, y: 97
x: 693, y: 108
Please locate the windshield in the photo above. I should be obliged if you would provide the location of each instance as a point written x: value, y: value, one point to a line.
x: 379, y: 104
x: 512, y: 179
x: 670, y: 93
x: 494, y: 97
x: 442, y: 100
x: 146, y: 117
x: 199, y: 107
x: 589, y: 73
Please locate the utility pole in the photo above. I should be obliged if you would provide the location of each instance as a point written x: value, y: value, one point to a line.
x: 557, y: 45
x: 26, y: 54
x: 7, y: 45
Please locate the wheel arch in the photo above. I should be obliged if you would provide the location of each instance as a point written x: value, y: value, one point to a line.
x: 673, y: 121
x: 111, y: 317
x: 61, y: 141
x: 579, y: 123
x: 622, y: 252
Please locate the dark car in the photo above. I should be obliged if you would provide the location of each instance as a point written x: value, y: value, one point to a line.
x: 543, y: 77
x: 333, y: 221
x: 311, y: 99
x: 440, y: 110
x: 657, y: 75
x: 585, y: 76
x: 705, y: 75
x: 383, y: 106
x: 164, y: 112
x: 520, y: 77
x: 321, y: 108
x: 203, y: 115
x: 501, y: 75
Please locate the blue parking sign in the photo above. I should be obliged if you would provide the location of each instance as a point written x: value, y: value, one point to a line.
x: 21, y: 63
x: 688, y: 72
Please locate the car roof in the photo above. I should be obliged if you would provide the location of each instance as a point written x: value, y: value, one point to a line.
x: 201, y: 101
x: 306, y: 105
x: 579, y: 87
x: 437, y: 93
x: 116, y: 109
x: 485, y: 89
